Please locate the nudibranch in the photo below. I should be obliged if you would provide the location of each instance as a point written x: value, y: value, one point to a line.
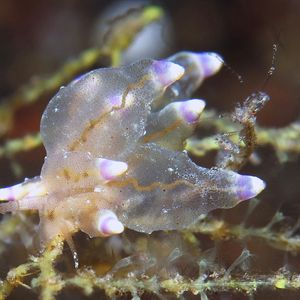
x: 114, y: 142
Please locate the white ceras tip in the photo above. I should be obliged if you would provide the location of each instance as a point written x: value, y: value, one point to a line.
x: 257, y: 184
x: 111, y: 169
x: 19, y: 191
x: 108, y: 223
x: 210, y: 62
x: 167, y: 72
x: 190, y: 110
x: 249, y: 187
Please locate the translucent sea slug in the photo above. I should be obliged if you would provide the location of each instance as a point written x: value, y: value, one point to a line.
x: 114, y: 140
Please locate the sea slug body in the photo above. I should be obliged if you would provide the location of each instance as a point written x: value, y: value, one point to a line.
x: 114, y: 140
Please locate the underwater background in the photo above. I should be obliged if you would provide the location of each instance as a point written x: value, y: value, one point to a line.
x: 42, y: 43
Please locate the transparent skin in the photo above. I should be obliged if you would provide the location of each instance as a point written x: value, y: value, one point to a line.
x: 114, y: 155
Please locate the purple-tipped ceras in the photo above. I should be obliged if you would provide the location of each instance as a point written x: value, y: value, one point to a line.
x: 114, y: 140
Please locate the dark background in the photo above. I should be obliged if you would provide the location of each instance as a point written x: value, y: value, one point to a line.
x: 37, y: 37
